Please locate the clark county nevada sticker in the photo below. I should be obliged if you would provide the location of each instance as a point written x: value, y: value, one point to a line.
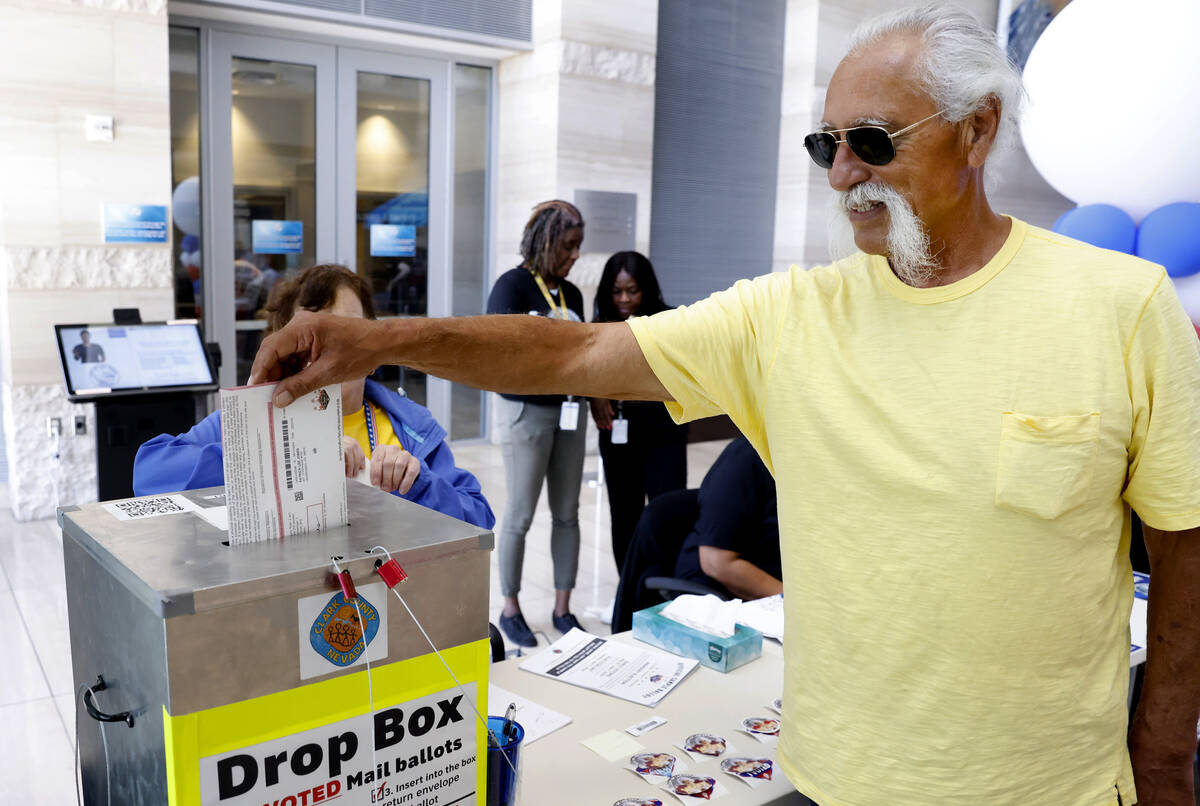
x: 336, y: 634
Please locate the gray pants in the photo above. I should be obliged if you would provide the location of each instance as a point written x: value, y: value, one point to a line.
x: 534, y: 449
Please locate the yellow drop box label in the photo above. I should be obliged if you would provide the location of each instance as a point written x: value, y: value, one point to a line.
x: 421, y: 745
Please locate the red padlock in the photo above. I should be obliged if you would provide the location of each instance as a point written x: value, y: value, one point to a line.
x: 348, y: 591
x: 391, y: 572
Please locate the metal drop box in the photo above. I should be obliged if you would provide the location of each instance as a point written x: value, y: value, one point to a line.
x: 207, y: 648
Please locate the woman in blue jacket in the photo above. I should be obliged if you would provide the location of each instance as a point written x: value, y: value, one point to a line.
x: 386, y: 435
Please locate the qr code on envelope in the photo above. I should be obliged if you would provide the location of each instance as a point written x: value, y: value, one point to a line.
x: 137, y: 508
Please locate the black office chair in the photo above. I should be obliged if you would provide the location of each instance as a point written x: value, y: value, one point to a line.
x: 497, y: 642
x: 670, y: 587
x: 645, y: 578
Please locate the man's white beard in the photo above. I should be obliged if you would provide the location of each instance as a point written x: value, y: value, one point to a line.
x: 907, y: 242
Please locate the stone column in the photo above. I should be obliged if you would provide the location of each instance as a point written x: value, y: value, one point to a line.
x: 61, y: 61
x: 577, y: 112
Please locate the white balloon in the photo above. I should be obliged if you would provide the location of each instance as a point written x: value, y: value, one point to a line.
x: 1188, y: 289
x: 185, y: 205
x: 1114, y: 103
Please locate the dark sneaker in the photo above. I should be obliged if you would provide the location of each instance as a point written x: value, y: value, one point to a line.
x: 566, y: 622
x: 517, y: 630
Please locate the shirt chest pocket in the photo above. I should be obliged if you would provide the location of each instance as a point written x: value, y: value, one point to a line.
x: 1046, y: 464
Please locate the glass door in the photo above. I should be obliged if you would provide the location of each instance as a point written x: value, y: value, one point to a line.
x: 322, y: 153
x: 273, y: 141
x: 392, y: 188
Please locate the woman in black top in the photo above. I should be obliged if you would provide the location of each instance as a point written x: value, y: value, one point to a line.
x: 542, y: 435
x: 644, y: 451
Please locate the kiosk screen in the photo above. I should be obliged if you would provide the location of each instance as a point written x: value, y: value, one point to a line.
x: 108, y: 358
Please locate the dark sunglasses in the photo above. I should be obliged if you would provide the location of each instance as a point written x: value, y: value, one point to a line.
x: 871, y: 144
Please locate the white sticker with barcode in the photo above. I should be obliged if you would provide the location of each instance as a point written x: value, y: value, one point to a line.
x: 645, y: 726
x: 149, y: 507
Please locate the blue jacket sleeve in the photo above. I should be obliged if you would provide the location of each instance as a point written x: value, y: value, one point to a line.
x: 449, y: 489
x: 168, y: 464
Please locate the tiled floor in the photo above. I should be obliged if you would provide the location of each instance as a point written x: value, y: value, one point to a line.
x: 35, y: 663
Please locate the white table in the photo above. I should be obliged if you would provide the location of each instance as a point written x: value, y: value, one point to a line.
x: 706, y: 702
x: 558, y: 769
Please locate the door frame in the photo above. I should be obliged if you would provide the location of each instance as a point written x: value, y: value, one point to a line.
x: 215, y: 23
x: 219, y: 303
x: 439, y: 190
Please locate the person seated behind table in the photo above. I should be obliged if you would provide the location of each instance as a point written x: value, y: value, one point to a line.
x: 406, y: 450
x: 734, y: 545
x: 724, y: 536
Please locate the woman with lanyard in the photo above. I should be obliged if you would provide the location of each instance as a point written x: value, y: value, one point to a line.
x: 644, y: 451
x: 542, y: 436
x: 388, y: 441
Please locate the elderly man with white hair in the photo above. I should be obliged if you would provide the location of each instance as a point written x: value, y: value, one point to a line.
x: 959, y: 414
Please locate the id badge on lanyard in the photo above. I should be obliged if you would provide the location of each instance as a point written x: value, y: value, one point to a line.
x: 620, y: 427
x: 568, y: 418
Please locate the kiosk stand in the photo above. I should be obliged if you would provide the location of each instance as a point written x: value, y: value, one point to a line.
x: 124, y: 422
x: 239, y: 675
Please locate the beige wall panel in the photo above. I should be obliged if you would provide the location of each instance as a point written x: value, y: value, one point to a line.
x: 526, y: 166
x: 33, y: 314
x: 606, y: 142
x: 135, y: 168
x: 141, y: 59
x: 55, y: 52
x: 29, y: 200
x: 796, y: 121
x: 618, y: 24
x: 547, y: 20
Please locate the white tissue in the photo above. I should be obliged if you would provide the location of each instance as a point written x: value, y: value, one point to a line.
x: 705, y: 613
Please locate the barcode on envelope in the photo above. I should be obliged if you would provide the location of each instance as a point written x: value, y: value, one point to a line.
x: 287, y: 453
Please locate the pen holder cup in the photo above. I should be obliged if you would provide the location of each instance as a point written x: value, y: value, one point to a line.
x: 502, y: 779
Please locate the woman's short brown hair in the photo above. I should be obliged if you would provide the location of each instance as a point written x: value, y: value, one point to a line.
x: 315, y: 289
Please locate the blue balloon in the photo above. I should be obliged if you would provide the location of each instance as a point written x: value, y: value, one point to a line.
x: 1100, y: 225
x: 1170, y: 237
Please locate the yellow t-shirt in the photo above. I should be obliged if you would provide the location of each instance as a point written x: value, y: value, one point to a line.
x: 955, y: 467
x: 355, y: 425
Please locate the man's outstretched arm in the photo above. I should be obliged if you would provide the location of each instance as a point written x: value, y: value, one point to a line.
x: 517, y: 354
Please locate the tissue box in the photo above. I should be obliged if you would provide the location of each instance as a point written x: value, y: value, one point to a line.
x: 722, y: 654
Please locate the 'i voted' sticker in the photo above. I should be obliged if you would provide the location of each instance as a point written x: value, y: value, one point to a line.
x: 705, y: 745
x: 763, y: 728
x: 698, y: 787
x: 654, y: 767
x: 753, y: 771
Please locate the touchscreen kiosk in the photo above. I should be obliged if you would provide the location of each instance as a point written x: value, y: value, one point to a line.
x: 110, y: 359
x: 146, y: 379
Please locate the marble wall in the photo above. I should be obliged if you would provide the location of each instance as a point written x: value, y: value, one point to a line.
x: 797, y: 117
x: 577, y: 113
x: 61, y: 61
